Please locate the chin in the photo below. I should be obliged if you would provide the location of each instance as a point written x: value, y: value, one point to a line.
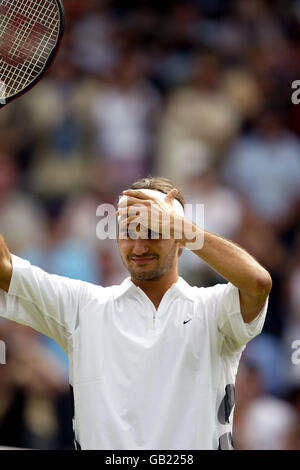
x: 145, y: 276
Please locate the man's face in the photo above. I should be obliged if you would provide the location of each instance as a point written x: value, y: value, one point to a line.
x: 148, y: 259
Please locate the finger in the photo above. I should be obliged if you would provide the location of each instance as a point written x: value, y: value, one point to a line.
x: 137, y: 193
x: 133, y: 200
x: 140, y: 212
x: 132, y: 210
x: 171, y: 196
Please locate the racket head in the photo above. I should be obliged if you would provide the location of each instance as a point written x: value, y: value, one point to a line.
x: 31, y: 32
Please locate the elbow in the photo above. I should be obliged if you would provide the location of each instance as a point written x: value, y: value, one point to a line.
x: 263, y: 284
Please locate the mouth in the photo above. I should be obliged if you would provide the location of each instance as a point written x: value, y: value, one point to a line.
x: 143, y: 260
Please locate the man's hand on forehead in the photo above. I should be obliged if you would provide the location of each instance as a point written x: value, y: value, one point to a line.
x: 136, y: 203
x: 136, y: 197
x: 148, y: 212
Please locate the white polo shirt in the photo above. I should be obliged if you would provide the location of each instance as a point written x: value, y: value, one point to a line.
x: 142, y: 378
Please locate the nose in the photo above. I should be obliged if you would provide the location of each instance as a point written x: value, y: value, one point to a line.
x: 140, y: 246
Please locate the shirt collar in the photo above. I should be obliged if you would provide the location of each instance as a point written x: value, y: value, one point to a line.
x: 180, y: 286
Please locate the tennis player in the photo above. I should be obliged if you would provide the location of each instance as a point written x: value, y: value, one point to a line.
x: 152, y: 361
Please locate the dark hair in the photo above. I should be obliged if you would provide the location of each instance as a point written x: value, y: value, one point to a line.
x: 164, y: 185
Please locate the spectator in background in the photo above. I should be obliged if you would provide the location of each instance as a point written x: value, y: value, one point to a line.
x: 124, y: 114
x: 261, y: 240
x: 261, y: 422
x: 64, y: 254
x: 94, y: 50
x: 223, y: 209
x: 264, y: 167
x: 80, y: 219
x: 293, y: 398
x: 22, y: 218
x: 293, y: 282
x: 248, y: 23
x: 241, y: 85
x: 199, y: 111
x: 269, y: 422
x: 248, y: 387
x: 59, y: 109
x: 291, y: 330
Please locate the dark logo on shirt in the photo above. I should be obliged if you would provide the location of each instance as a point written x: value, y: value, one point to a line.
x: 186, y: 321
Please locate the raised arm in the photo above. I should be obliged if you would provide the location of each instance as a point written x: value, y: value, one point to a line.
x: 5, y: 266
x: 46, y: 302
x: 238, y: 267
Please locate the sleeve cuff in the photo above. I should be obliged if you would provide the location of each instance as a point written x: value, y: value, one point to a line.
x: 254, y: 324
x: 236, y: 307
x: 232, y: 323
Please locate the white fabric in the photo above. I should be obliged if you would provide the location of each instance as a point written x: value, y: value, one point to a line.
x: 158, y: 195
x: 142, y: 378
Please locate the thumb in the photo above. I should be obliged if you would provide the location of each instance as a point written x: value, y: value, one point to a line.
x: 171, y: 196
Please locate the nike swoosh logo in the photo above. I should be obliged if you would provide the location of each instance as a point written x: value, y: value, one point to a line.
x: 186, y: 321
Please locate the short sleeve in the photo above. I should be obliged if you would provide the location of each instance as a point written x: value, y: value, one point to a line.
x: 46, y: 302
x: 230, y: 322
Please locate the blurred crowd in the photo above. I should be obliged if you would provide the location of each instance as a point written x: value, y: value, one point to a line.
x: 198, y: 91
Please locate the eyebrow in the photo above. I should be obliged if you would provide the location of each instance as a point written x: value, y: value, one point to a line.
x: 152, y: 232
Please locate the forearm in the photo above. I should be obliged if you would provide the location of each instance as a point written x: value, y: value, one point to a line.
x: 232, y: 262
x: 5, y: 265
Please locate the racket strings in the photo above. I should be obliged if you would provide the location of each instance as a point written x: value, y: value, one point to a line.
x: 17, y: 11
x: 19, y: 40
x: 30, y: 64
x: 11, y: 76
x: 28, y: 35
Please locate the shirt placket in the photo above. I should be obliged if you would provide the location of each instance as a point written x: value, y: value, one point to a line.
x: 155, y: 313
x: 149, y: 304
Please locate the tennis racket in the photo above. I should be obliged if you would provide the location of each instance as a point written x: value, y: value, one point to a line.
x: 30, y: 35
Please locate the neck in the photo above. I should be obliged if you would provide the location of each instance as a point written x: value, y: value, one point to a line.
x: 156, y: 288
